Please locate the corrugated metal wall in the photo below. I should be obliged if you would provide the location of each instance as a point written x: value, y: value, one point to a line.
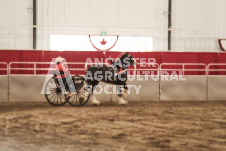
x: 14, y: 14
x: 203, y: 23
x: 91, y: 17
x: 199, y: 23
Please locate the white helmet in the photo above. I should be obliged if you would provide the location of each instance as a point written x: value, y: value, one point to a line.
x: 59, y: 59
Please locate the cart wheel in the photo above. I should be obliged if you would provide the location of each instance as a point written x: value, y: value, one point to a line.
x: 54, y: 94
x: 83, y: 91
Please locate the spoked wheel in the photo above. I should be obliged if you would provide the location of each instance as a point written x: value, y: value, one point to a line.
x: 83, y: 91
x: 53, y: 93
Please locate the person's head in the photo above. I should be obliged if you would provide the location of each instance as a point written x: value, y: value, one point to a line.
x: 127, y: 57
x: 59, y: 60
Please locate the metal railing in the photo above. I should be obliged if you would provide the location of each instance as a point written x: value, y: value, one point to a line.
x: 25, y: 69
x: 35, y: 68
x: 216, y: 70
x: 151, y: 67
x: 4, y: 68
x: 183, y: 67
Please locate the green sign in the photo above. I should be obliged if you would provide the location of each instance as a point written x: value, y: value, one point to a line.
x: 103, y: 33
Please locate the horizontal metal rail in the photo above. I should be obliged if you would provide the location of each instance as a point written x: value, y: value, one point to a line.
x: 155, y: 67
x: 35, y: 68
x: 201, y: 67
x: 6, y: 67
x: 216, y: 65
x: 183, y: 67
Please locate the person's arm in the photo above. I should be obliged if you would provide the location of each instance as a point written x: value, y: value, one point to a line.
x: 65, y: 70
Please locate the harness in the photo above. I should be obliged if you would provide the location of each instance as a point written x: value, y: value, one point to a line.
x: 117, y: 65
x: 120, y: 72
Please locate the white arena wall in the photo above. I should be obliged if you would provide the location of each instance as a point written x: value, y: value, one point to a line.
x: 4, y: 88
x: 202, y: 23
x: 196, y: 88
x: 193, y: 89
x: 196, y: 24
x: 26, y: 88
x: 216, y: 88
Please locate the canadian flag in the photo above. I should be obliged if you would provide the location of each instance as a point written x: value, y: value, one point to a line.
x: 103, y: 42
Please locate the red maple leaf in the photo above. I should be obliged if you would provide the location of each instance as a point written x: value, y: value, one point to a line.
x: 103, y: 42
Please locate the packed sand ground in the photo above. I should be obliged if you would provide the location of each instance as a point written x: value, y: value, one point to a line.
x: 150, y: 126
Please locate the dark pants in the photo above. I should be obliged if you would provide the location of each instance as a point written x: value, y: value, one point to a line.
x: 64, y: 82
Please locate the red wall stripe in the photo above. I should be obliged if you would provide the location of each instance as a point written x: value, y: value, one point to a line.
x: 81, y: 56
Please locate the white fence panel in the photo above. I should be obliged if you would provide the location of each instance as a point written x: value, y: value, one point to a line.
x: 149, y: 90
x: 4, y: 88
x: 217, y: 88
x: 193, y: 89
x: 216, y: 83
x: 26, y: 88
x: 4, y: 82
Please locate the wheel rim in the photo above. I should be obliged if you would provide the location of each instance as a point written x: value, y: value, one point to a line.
x: 82, y: 96
x: 54, y: 95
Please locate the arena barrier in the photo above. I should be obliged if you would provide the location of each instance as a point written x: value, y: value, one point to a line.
x: 26, y: 88
x: 149, y: 90
x: 192, y: 89
x: 200, y: 85
x: 4, y: 82
x: 4, y: 88
x: 216, y: 83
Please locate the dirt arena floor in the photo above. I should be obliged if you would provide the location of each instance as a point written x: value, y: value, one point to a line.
x: 194, y: 126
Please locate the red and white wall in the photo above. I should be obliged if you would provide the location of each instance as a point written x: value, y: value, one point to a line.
x: 81, y: 56
x: 199, y: 86
x: 196, y: 27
